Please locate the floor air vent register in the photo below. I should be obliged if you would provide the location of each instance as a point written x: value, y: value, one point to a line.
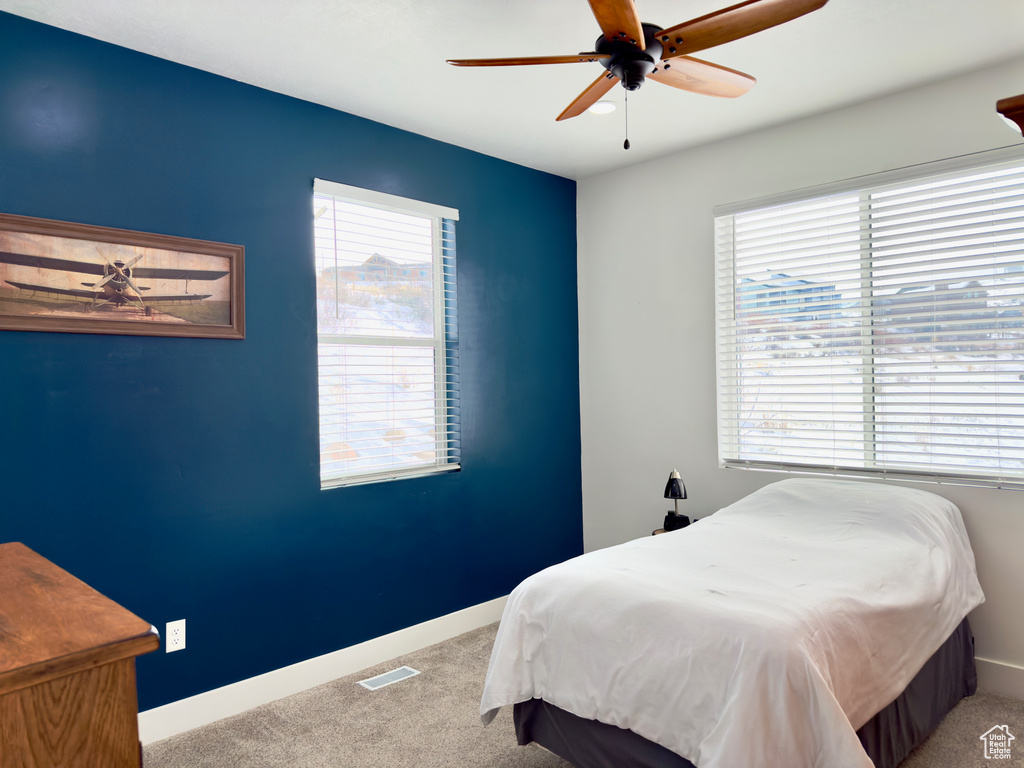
x: 394, y: 676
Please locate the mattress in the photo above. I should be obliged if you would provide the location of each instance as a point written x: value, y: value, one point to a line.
x: 888, y: 737
x: 764, y: 635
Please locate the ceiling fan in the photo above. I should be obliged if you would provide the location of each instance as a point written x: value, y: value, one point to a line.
x: 632, y: 51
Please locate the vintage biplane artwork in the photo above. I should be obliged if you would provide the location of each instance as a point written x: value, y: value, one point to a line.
x: 58, y: 276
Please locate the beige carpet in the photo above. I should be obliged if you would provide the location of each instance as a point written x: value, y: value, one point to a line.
x: 431, y: 721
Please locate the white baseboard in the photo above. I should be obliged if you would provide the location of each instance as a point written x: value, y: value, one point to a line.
x: 1000, y: 677
x: 204, y: 708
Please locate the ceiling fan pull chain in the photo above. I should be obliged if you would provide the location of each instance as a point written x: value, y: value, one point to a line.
x: 625, y: 109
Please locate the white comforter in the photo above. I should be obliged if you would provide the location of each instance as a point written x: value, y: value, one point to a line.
x: 763, y: 635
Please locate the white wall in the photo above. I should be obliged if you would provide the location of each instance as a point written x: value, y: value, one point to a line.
x: 647, y: 362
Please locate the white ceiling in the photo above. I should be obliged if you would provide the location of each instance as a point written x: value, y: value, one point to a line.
x: 385, y: 60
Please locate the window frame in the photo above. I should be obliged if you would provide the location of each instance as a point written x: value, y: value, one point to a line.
x: 862, y: 194
x: 443, y: 341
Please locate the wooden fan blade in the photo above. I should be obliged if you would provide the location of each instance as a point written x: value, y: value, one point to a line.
x: 731, y: 24
x: 619, y: 20
x: 515, y: 62
x: 585, y: 100
x: 697, y: 76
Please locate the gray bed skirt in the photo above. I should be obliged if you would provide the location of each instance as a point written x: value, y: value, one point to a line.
x: 948, y: 676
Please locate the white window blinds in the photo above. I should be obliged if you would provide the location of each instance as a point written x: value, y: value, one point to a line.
x: 387, y: 335
x: 877, y: 326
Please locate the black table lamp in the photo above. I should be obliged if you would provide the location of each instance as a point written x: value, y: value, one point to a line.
x: 675, y: 489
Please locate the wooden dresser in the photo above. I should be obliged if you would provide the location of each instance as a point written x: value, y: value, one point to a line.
x: 67, y: 669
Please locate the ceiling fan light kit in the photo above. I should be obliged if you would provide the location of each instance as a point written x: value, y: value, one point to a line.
x: 632, y: 51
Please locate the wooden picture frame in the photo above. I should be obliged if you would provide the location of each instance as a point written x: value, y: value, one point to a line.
x: 79, y: 278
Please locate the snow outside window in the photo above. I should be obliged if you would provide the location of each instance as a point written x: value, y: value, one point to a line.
x: 876, y: 327
x: 387, y: 335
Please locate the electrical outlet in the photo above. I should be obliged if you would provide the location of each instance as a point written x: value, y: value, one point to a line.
x: 175, y: 635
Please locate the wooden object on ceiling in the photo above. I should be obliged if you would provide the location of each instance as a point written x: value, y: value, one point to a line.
x: 67, y: 669
x: 631, y: 50
x: 1012, y: 107
x: 593, y: 92
x: 733, y: 23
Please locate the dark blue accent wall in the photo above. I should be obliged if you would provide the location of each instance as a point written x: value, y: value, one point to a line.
x: 179, y: 476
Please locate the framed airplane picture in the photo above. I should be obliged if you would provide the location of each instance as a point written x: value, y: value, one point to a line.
x: 79, y: 278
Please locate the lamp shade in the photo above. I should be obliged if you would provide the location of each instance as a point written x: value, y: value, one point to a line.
x: 675, y: 489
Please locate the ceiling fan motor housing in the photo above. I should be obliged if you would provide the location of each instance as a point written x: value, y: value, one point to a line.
x: 626, y: 60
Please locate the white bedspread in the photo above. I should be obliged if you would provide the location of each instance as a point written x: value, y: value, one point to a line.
x: 763, y: 635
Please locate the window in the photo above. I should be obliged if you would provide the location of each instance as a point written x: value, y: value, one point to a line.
x: 387, y: 335
x: 876, y: 327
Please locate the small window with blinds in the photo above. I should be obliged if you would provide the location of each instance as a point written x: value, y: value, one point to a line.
x: 387, y: 335
x: 876, y: 327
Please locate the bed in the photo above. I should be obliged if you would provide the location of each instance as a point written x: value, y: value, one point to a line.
x: 816, y: 623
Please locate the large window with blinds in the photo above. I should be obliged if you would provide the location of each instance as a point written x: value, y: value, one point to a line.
x: 387, y: 335
x: 876, y: 327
